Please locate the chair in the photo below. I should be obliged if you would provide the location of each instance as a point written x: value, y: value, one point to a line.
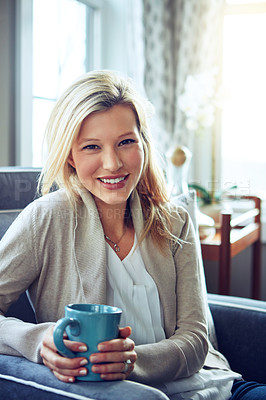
x: 17, y: 189
x: 233, y: 236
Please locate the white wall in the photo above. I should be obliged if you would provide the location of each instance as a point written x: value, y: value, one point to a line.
x: 7, y: 82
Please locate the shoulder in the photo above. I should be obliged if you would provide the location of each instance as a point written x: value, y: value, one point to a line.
x: 181, y: 223
x: 43, y: 224
x: 50, y: 207
x: 55, y: 200
x: 52, y: 202
x: 187, y: 201
x: 178, y: 214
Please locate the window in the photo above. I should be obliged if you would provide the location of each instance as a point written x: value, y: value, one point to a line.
x: 243, y: 135
x: 59, y: 41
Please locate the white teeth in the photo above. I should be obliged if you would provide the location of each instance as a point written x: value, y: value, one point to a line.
x: 116, y: 180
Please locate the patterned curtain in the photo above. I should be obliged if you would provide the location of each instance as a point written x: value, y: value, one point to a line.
x: 180, y: 38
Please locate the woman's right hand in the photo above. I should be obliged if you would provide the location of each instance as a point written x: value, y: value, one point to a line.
x: 65, y: 369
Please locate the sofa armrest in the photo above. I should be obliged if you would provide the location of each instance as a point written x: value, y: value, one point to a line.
x: 22, y: 379
x: 240, y: 326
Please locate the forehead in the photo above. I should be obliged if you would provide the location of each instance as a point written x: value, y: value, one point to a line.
x: 117, y: 118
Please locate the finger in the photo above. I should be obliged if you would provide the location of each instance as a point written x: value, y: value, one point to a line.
x: 76, y: 346
x: 116, y: 345
x: 113, y: 370
x: 48, y: 341
x: 66, y: 369
x: 125, y: 332
x: 113, y: 357
x: 63, y: 378
x: 66, y: 372
x: 56, y: 361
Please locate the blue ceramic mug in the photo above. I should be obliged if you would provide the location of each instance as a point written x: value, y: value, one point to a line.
x: 90, y: 324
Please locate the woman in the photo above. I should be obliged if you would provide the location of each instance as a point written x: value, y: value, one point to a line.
x: 109, y: 235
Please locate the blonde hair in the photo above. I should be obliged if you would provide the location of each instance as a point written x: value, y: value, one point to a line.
x: 93, y: 92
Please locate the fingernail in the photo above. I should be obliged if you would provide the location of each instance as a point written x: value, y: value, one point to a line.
x: 93, y: 358
x: 83, y: 362
x: 101, y: 347
x: 71, y: 379
x: 83, y: 371
x: 82, y: 348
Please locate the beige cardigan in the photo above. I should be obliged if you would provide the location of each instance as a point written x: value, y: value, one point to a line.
x: 60, y: 256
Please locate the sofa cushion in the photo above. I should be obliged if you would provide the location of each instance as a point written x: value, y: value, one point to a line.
x: 21, y: 379
x: 18, y: 187
x: 240, y: 328
x: 22, y: 309
x: 6, y: 219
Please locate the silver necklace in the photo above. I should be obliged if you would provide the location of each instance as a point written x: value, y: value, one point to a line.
x: 115, y: 244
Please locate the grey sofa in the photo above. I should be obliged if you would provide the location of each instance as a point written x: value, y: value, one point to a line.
x: 240, y: 326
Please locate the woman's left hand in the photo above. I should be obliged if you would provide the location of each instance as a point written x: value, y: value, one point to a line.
x: 115, y: 354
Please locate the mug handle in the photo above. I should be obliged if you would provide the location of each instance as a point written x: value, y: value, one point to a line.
x: 59, y: 330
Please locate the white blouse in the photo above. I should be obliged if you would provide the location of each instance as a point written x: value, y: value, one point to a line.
x: 130, y: 287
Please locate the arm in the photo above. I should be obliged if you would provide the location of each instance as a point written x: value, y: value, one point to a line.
x: 183, y: 298
x: 22, y: 266
x: 18, y: 269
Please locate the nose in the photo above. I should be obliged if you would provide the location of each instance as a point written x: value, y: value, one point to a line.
x: 111, y: 160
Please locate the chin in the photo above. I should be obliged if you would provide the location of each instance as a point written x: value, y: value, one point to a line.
x: 112, y: 200
x: 116, y: 202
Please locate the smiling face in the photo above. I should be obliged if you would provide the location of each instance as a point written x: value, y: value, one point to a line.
x: 108, y: 155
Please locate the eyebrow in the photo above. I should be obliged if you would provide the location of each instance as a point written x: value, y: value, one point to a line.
x: 98, y: 140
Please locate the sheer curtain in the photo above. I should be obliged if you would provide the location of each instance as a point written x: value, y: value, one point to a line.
x: 181, y: 37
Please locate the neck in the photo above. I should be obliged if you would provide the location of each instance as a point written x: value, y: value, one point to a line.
x: 114, y: 219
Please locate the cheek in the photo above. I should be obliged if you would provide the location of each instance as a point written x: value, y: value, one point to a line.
x: 138, y: 160
x: 85, y: 168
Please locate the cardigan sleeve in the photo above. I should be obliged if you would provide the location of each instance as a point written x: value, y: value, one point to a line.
x: 184, y: 350
x: 18, y: 270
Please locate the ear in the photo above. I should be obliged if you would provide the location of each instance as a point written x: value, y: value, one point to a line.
x: 70, y: 160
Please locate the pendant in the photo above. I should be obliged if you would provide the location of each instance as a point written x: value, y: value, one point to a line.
x: 116, y: 248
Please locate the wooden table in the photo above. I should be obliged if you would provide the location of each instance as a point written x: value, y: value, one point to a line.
x: 233, y: 235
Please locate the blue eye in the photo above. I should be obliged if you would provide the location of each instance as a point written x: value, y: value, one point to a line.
x: 91, y: 147
x: 126, y: 141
